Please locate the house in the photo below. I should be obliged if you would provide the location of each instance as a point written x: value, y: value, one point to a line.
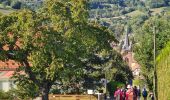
x: 6, y: 83
x: 7, y: 69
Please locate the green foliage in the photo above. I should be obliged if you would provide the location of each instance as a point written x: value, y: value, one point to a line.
x: 144, y: 47
x: 100, y: 65
x: 52, y: 44
x: 19, y: 93
x: 163, y: 72
x: 112, y: 86
x: 7, y: 95
x: 107, y: 65
x: 16, y: 5
x: 138, y: 82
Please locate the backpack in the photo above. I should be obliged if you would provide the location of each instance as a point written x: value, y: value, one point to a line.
x: 144, y: 93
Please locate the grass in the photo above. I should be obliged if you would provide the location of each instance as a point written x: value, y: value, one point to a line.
x: 157, y: 10
x: 5, y: 10
x: 163, y: 73
x: 5, y: 7
x: 135, y: 13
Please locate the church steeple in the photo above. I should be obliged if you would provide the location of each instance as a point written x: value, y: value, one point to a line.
x: 126, y: 44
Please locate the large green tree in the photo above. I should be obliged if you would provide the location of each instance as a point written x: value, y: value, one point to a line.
x: 48, y: 42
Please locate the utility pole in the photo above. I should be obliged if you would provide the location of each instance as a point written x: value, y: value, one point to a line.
x: 154, y: 73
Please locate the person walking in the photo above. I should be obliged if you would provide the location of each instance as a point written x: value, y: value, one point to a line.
x: 135, y: 92
x: 151, y: 95
x: 129, y: 93
x: 144, y: 94
x: 118, y: 95
x: 123, y: 93
x: 138, y: 93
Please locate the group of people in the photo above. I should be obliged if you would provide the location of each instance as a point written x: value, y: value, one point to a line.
x: 131, y: 93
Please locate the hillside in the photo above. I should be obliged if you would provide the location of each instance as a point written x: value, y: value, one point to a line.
x: 114, y: 14
x: 6, y: 11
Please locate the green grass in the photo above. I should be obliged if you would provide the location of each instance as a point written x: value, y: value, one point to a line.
x: 5, y: 10
x: 6, y: 7
x: 157, y: 10
x: 135, y: 13
x: 163, y: 73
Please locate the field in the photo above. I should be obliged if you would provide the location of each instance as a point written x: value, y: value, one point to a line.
x: 4, y: 11
x: 135, y: 13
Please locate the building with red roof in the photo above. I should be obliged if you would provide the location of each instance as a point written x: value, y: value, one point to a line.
x: 7, y: 70
x: 6, y: 83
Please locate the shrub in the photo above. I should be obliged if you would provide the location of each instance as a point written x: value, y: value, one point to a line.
x: 16, y: 5
x: 112, y: 85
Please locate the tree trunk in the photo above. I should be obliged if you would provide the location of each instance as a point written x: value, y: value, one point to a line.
x: 45, y: 91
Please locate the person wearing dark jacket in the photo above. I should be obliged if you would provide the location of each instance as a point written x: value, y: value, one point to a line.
x: 138, y: 93
x: 135, y: 92
x: 144, y: 94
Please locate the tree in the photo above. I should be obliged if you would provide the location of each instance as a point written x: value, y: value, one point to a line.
x: 49, y: 42
x: 16, y: 5
x: 108, y: 65
x: 101, y: 65
x: 144, y: 47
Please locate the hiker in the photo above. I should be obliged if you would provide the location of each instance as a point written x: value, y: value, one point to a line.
x: 138, y: 93
x: 123, y: 93
x: 151, y: 95
x: 118, y: 94
x: 144, y: 94
x: 135, y: 92
x: 129, y: 93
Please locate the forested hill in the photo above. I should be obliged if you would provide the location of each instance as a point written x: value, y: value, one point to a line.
x: 116, y: 14
x: 111, y: 8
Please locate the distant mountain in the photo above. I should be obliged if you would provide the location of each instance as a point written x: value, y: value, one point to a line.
x: 116, y: 14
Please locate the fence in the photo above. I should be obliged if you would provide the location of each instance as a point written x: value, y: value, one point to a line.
x: 73, y: 97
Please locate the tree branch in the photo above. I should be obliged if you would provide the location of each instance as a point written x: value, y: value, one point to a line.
x: 28, y: 70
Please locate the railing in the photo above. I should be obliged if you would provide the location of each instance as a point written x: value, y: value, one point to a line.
x: 73, y: 97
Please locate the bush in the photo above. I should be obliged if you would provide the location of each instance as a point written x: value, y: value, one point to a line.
x: 112, y: 85
x: 6, y: 95
x: 138, y: 82
x: 131, y: 9
x: 16, y: 5
x: 123, y: 12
